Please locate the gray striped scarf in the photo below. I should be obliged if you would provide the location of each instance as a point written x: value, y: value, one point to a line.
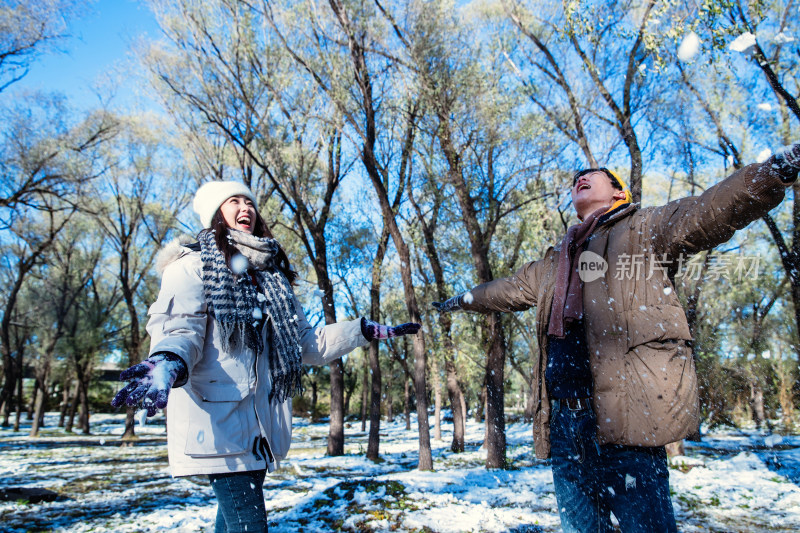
x: 240, y: 306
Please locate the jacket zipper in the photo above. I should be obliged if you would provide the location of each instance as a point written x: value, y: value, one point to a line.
x: 260, y: 443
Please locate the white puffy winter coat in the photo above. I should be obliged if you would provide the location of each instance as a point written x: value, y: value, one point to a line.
x: 217, y: 420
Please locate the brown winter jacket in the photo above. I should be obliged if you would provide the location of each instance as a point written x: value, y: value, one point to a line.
x: 645, y: 387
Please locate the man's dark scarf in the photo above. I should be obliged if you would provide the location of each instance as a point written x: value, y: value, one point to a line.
x: 568, y: 293
x: 233, y: 298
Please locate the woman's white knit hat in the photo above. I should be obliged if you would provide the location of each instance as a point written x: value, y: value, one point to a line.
x: 211, y: 195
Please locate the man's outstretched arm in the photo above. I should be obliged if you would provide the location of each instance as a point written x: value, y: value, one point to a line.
x: 517, y: 292
x: 697, y: 223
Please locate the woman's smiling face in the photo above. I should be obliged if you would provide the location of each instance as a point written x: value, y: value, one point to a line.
x: 239, y: 213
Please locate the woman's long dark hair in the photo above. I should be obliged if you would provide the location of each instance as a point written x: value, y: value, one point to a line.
x: 260, y: 229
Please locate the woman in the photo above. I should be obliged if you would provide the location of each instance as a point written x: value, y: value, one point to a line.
x: 228, y: 338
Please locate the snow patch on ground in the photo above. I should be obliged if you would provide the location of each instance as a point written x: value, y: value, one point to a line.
x: 733, y: 480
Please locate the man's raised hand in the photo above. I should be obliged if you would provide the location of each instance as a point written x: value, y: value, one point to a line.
x: 451, y: 304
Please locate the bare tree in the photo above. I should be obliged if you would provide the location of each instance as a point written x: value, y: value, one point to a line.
x: 27, y: 29
x: 339, y: 55
x: 136, y: 206
x: 428, y: 227
x: 256, y: 105
x: 40, y: 143
x: 61, y: 278
x: 486, y: 175
x: 44, y: 160
x: 32, y: 241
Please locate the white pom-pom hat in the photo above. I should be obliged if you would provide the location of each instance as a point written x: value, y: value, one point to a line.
x: 211, y: 195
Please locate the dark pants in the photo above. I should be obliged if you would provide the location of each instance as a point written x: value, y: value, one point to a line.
x: 240, y: 499
x: 592, y: 481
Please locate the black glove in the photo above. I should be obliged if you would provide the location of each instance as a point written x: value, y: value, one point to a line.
x: 451, y: 304
x: 786, y: 162
x: 151, y: 381
x: 372, y: 330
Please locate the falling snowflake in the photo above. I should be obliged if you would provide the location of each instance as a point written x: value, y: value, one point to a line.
x: 689, y: 47
x: 745, y: 43
x: 239, y: 264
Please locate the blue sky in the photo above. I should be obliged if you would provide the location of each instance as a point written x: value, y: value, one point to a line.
x: 100, y: 41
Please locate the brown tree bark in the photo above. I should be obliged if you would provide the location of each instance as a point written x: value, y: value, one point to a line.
x: 73, y: 407
x: 373, y: 444
x: 454, y: 390
x: 64, y: 405
x: 493, y: 334
x: 389, y: 393
x: 364, y: 390
x: 364, y: 122
x: 38, y: 247
x: 40, y: 402
x: 437, y: 401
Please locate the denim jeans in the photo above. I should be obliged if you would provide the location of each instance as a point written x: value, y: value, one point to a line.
x: 240, y: 499
x: 592, y: 481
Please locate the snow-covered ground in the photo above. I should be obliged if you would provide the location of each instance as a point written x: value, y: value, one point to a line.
x: 731, y: 481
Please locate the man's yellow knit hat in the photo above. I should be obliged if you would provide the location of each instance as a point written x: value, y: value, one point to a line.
x: 613, y: 175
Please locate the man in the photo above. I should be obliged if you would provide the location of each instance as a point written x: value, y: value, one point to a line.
x: 615, y: 379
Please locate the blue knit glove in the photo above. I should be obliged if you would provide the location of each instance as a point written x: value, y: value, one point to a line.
x: 151, y: 381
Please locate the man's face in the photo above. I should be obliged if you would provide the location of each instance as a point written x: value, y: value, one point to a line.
x: 593, y: 191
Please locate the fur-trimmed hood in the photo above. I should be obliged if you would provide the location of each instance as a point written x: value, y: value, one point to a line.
x: 174, y: 250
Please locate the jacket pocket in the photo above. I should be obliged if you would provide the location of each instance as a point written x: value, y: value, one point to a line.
x: 216, y: 423
x: 162, y: 306
x: 656, y: 323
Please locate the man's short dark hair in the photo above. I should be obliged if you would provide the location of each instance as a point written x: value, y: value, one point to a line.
x: 614, y: 181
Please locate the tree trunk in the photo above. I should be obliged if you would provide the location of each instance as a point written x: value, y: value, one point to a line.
x: 454, y: 392
x: 528, y: 414
x: 495, y: 415
x: 9, y: 383
x: 40, y: 403
x: 757, y: 403
x: 348, y: 394
x: 407, y: 402
x: 486, y: 423
x: 73, y: 407
x: 364, y: 390
x: 368, y: 157
x: 20, y: 399
x: 64, y: 402
x: 373, y: 444
x: 336, y: 428
x: 457, y: 404
x: 437, y: 402
x: 493, y: 333
x: 389, y: 394
x: 480, y: 404
x: 84, y: 416
x: 314, y: 399
x: 133, y: 342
